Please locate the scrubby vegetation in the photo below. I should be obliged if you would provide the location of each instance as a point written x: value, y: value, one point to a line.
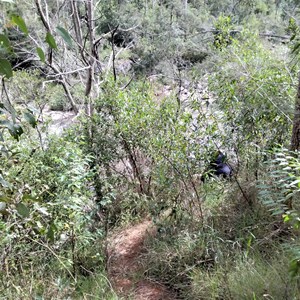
x: 154, y: 89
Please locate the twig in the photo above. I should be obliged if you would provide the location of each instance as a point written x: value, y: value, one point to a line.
x: 113, y: 52
x: 127, y: 84
x: 11, y: 109
x: 69, y: 72
x: 54, y: 254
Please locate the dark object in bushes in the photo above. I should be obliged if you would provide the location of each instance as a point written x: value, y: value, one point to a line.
x: 218, y: 168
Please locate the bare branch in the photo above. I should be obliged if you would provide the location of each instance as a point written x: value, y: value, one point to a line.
x: 76, y: 21
x: 42, y: 15
x: 113, y: 52
x: 46, y: 25
x: 69, y: 72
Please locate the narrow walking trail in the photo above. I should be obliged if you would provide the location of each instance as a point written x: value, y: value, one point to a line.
x: 124, y: 269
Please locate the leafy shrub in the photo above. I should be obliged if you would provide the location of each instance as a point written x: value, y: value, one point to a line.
x: 27, y: 87
x: 255, y: 93
x: 49, y: 211
x: 147, y: 149
x: 222, y: 37
x: 279, y: 192
x: 56, y: 98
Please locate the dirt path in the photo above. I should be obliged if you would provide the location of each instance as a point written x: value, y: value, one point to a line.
x: 124, y: 268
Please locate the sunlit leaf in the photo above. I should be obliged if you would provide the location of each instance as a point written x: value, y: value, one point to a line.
x: 286, y: 218
x: 27, y: 197
x: 4, y: 198
x: 294, y: 182
x: 16, y: 19
x: 50, y: 40
x: 41, y: 54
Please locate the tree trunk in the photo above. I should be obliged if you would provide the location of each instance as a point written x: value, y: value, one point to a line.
x: 93, y: 56
x: 76, y: 23
x: 185, y: 6
x: 295, y: 140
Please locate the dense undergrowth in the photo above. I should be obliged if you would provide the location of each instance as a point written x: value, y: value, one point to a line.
x: 238, y: 251
x: 215, y: 239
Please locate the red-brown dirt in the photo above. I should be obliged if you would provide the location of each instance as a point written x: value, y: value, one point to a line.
x: 125, y: 271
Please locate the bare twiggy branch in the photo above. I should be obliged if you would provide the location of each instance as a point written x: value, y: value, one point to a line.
x: 76, y: 21
x: 69, y: 72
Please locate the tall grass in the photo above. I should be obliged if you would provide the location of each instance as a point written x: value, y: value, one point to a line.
x: 246, y: 278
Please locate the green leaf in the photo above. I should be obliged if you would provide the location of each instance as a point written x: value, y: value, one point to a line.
x: 5, y: 68
x: 294, y: 267
x: 293, y: 37
x: 296, y: 47
x: 51, y: 232
x: 65, y: 35
x: 20, y: 23
x: 294, y: 182
x: 5, y: 42
x: 22, y: 210
x: 286, y: 218
x: 4, y: 199
x: 50, y: 40
x: 29, y: 117
x: 28, y: 197
x: 4, y: 183
x: 15, y: 131
x: 41, y: 54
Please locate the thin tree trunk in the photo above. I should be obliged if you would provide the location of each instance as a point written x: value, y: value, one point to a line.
x: 76, y: 22
x: 295, y: 140
x: 185, y: 6
x: 62, y: 80
x: 92, y: 56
